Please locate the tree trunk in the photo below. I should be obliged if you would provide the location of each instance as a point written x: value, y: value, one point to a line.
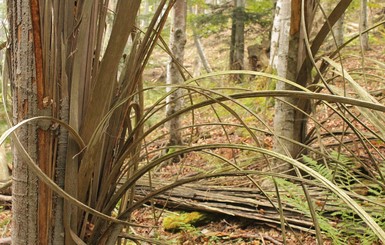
x: 364, y: 24
x: 237, y: 45
x: 174, y: 76
x: 198, y: 44
x: 339, y: 31
x: 287, y: 55
x: 32, y: 200
x: 283, y: 124
x: 201, y: 52
x: 281, y: 22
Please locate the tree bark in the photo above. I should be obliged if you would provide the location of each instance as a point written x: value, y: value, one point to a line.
x: 237, y: 45
x: 282, y: 53
x: 23, y: 77
x: 199, y: 45
x: 174, y: 76
x: 287, y: 55
x: 339, y: 30
x: 364, y: 24
x: 201, y: 52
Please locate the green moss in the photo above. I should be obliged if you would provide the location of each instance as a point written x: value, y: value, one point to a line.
x: 176, y: 222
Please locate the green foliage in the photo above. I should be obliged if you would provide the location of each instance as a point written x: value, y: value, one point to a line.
x: 320, y: 168
x: 219, y: 17
x: 342, y: 226
x: 337, y: 169
x: 260, y: 11
x: 295, y: 197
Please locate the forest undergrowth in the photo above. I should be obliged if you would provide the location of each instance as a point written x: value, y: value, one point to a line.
x: 217, y: 126
x: 339, y: 225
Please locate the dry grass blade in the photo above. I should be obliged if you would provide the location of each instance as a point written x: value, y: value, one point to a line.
x: 376, y: 118
x: 42, y: 176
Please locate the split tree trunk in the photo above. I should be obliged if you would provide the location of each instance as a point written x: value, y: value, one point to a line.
x: 32, y: 201
x: 284, y: 60
x: 287, y: 56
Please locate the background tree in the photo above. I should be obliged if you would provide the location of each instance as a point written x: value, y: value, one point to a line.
x: 237, y: 44
x: 339, y: 30
x: 174, y: 68
x: 287, y: 54
x: 364, y: 38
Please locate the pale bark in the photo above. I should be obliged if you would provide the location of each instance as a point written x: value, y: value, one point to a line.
x: 280, y: 37
x: 288, y: 54
x: 339, y: 31
x: 199, y: 46
x: 284, y: 62
x: 174, y: 77
x: 201, y: 52
x: 364, y: 24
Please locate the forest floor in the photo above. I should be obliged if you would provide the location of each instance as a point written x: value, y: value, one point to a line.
x: 221, y: 229
x: 232, y: 230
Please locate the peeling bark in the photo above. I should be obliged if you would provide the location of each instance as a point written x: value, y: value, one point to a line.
x: 22, y: 73
x: 288, y: 54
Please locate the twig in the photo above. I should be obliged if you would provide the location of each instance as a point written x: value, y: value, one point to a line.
x: 269, y: 238
x: 4, y: 185
x: 141, y: 238
x: 5, y: 198
x: 262, y: 239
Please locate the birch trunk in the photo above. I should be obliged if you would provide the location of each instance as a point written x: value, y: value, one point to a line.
x: 174, y: 77
x: 288, y: 54
x: 284, y: 62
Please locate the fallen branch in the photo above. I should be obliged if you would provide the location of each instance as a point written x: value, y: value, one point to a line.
x: 238, y: 202
x: 5, y: 198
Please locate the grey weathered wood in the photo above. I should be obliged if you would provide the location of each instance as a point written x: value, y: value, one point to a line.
x: 246, y: 203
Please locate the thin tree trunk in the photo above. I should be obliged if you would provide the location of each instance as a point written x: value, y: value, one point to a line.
x: 144, y: 21
x: 177, y: 44
x: 364, y: 24
x: 201, y: 52
x: 199, y: 45
x: 281, y: 21
x: 339, y: 31
x: 237, y: 45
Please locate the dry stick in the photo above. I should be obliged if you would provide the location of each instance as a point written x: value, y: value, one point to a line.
x: 6, y: 240
x: 5, y: 198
